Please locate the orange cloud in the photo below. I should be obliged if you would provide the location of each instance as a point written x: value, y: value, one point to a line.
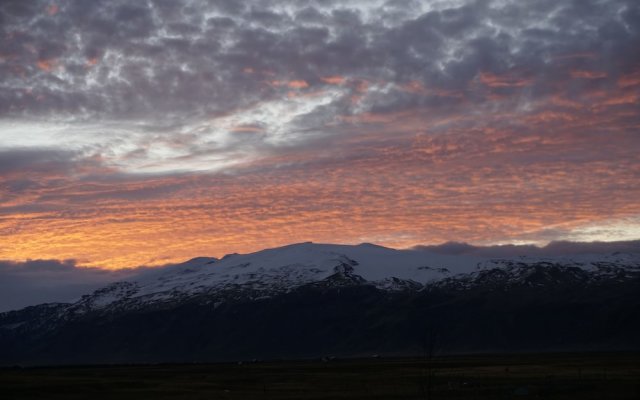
x: 362, y: 86
x: 298, y: 84
x: 480, y: 174
x: 502, y: 81
x: 91, y: 61
x: 583, y: 74
x: 46, y: 65
x: 629, y: 80
x: 295, y: 84
x: 53, y: 9
x: 628, y: 98
x: 388, y: 188
x: 333, y: 80
x: 415, y: 87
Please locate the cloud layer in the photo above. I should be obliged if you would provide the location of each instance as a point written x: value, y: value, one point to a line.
x: 43, y: 281
x: 148, y: 132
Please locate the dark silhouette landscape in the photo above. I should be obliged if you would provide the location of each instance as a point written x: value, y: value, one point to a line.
x: 319, y: 199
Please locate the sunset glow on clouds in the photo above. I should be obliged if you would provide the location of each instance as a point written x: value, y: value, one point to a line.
x: 152, y: 132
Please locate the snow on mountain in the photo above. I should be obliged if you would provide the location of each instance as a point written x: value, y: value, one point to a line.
x: 278, y: 270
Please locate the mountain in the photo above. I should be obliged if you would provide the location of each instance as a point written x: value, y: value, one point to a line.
x: 315, y: 300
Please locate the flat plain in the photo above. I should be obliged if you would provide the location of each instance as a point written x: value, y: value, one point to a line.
x: 540, y: 376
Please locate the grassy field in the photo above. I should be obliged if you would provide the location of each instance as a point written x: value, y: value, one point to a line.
x: 552, y: 376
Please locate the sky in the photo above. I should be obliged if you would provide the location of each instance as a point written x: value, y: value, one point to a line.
x: 151, y: 132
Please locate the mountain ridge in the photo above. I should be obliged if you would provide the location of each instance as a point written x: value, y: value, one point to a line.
x: 383, y: 295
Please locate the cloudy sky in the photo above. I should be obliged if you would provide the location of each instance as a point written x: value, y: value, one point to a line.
x: 148, y: 132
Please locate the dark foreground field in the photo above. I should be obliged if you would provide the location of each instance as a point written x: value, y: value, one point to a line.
x: 555, y: 376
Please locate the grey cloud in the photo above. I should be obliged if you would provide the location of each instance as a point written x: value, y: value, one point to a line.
x: 32, y: 282
x: 200, y: 66
x: 31, y: 159
x: 556, y: 248
x: 176, y: 63
x: 43, y: 172
x: 25, y: 170
x: 565, y: 247
x: 38, y: 281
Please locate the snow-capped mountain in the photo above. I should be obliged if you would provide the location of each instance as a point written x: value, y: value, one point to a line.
x: 280, y: 270
x: 308, y: 299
